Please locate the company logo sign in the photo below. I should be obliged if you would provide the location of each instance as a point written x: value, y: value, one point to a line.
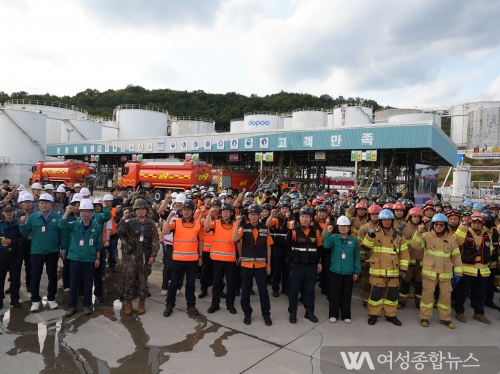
x: 258, y: 123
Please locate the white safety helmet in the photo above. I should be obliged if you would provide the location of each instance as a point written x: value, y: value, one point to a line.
x: 77, y: 198
x: 61, y: 189
x: 85, y: 192
x: 36, y: 186
x: 21, y: 187
x: 76, y: 185
x: 86, y: 204
x: 97, y: 201
x: 108, y: 197
x: 27, y: 197
x: 49, y: 186
x: 46, y: 197
x: 343, y: 221
x: 180, y: 198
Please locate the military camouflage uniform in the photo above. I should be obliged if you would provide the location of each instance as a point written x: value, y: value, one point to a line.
x: 137, y: 253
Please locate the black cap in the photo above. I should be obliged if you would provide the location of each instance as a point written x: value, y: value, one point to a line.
x: 8, y: 208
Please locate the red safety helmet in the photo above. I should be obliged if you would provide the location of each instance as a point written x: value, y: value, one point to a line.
x: 452, y: 213
x: 415, y: 212
x: 477, y: 217
x: 361, y: 205
x: 388, y: 206
x: 374, y: 209
x: 398, y: 206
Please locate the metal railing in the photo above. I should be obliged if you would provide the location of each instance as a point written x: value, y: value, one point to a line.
x: 100, y: 119
x: 4, y: 160
x: 142, y: 107
x: 266, y: 113
x: 195, y: 119
x: 309, y: 110
x: 46, y: 104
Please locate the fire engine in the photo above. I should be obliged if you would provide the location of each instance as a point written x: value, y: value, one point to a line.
x: 68, y: 172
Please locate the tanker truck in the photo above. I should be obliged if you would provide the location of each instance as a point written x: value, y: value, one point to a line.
x: 68, y: 172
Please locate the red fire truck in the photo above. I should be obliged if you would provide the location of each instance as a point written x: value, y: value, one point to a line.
x: 68, y: 172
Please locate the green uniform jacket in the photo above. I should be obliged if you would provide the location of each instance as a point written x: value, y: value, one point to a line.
x: 102, y: 218
x: 75, y: 230
x: 51, y: 240
x: 352, y: 263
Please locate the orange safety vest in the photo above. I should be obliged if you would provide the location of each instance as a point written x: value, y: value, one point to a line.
x: 113, y: 224
x: 186, y: 241
x: 224, y: 247
x: 208, y: 237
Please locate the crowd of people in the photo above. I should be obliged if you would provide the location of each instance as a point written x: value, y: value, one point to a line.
x: 287, y: 240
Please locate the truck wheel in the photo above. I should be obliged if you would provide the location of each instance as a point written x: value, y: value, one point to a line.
x: 158, y: 195
x: 130, y: 191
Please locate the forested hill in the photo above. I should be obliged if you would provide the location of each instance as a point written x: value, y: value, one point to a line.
x: 220, y: 107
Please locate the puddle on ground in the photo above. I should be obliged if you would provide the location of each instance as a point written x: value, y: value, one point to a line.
x: 44, y: 333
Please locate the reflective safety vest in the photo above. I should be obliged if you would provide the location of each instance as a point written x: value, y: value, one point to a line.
x: 186, y: 241
x: 304, y: 247
x: 251, y: 249
x: 208, y: 237
x: 113, y: 224
x: 223, y: 246
x: 476, y: 255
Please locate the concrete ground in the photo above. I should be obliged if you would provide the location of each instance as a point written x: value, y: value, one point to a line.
x: 110, y: 342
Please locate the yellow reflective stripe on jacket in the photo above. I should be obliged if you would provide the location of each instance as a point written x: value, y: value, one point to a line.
x: 460, y: 233
x: 457, y: 269
x: 391, y: 303
x: 429, y: 273
x: 445, y: 275
x: 472, y: 271
x: 437, y: 253
x: 367, y: 243
x: 456, y: 251
x: 413, y: 262
x: 403, y: 247
x: 418, y: 238
x: 408, y: 241
x: 384, y: 250
x: 384, y: 273
x: 404, y: 263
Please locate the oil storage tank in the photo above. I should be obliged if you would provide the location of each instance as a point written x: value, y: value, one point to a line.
x: 237, y: 125
x: 346, y: 115
x: 140, y: 121
x: 416, y: 117
x: 459, y: 114
x: 182, y: 126
x: 287, y: 121
x: 109, y: 130
x: 261, y: 121
x: 483, y: 128
x: 81, y: 130
x: 308, y: 118
x: 25, y: 143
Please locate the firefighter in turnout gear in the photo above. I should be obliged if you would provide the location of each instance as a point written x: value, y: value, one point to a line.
x: 441, y: 263
x: 364, y: 252
x: 415, y: 266
x: 489, y: 223
x: 388, y: 262
x: 141, y: 238
x: 476, y: 250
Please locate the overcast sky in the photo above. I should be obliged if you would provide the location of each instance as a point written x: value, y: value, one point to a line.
x: 400, y: 53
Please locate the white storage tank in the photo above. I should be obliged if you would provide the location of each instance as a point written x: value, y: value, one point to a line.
x: 25, y: 143
x: 309, y: 118
x: 81, y: 130
x: 139, y: 121
x: 287, y: 121
x: 416, y: 117
x: 483, y: 128
x: 260, y: 121
x: 182, y: 126
x: 54, y: 128
x: 50, y: 109
x: 237, y: 125
x: 383, y: 115
x: 461, y: 181
x: 460, y: 117
x: 329, y: 118
x: 109, y: 130
x: 345, y: 115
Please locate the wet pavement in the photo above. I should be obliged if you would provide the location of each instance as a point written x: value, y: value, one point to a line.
x: 107, y: 341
